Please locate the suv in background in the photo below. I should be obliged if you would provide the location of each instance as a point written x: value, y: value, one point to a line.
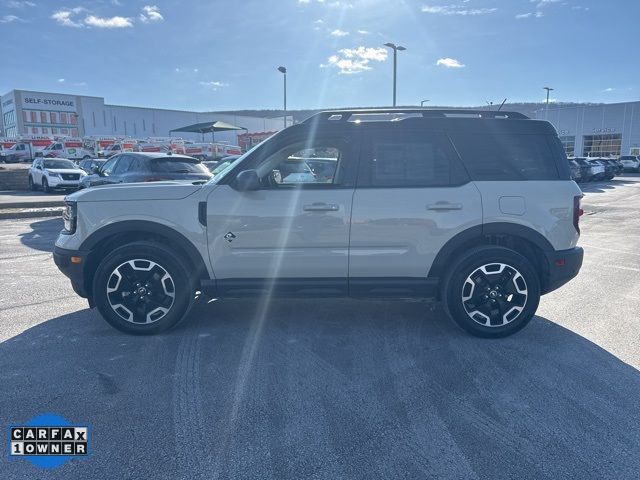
x: 146, y: 167
x: 54, y: 173
x: 474, y: 208
x: 630, y: 163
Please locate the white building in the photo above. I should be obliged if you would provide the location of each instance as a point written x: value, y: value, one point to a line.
x: 43, y: 113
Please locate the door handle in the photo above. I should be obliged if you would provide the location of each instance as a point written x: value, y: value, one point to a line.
x: 444, y: 206
x: 321, y: 207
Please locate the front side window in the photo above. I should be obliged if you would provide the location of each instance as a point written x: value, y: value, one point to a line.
x: 304, y: 163
x: 108, y: 167
x: 123, y: 165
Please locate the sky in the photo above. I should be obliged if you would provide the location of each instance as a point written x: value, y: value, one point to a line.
x: 220, y: 54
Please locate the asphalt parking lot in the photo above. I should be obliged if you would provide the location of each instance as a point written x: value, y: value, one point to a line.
x: 335, y: 389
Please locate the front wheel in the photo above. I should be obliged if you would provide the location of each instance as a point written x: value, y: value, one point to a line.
x: 32, y: 186
x: 143, y: 288
x: 45, y: 186
x: 492, y: 292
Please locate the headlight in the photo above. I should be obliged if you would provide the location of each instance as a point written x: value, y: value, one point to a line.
x: 70, y: 217
x: 53, y: 174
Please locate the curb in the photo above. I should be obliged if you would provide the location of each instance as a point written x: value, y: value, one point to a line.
x: 43, y: 204
x: 6, y: 214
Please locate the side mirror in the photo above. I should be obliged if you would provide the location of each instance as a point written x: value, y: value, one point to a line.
x: 247, y: 180
x: 39, y: 167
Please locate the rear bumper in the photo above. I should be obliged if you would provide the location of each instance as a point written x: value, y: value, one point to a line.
x: 562, y: 266
x: 75, y: 271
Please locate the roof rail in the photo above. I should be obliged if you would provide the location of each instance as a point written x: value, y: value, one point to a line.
x: 345, y: 115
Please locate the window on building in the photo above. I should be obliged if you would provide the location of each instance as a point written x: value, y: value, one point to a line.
x: 569, y: 145
x: 607, y: 145
x: 64, y: 131
x: 34, y: 130
x: 63, y: 118
x: 73, y: 117
x: 93, y: 114
x: 24, y: 116
x: 74, y: 132
x: 34, y: 117
x: 43, y: 117
x: 54, y: 117
x: 45, y: 130
x: 54, y: 130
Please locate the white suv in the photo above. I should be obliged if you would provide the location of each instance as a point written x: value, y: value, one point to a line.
x: 476, y: 209
x: 54, y: 173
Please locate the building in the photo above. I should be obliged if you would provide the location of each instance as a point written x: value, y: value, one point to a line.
x: 606, y: 130
x: 43, y: 113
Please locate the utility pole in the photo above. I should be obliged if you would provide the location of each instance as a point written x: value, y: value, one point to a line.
x: 548, y: 89
x: 396, y: 49
x: 283, y: 70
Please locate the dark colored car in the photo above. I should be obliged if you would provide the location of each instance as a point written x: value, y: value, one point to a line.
x: 611, y: 169
x: 133, y: 167
x: 586, y: 169
x: 91, y: 165
x: 576, y: 170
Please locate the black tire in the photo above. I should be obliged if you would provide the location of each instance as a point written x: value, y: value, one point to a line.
x: 134, y: 302
x: 496, y: 309
x: 45, y: 186
x: 32, y: 186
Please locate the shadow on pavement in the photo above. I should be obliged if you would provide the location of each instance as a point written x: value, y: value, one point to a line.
x: 41, y: 234
x: 326, y: 389
x: 605, y: 185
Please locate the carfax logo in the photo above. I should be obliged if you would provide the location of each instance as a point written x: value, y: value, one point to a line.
x: 48, y: 440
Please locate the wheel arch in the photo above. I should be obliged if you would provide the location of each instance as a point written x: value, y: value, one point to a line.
x: 520, y: 238
x: 116, y: 234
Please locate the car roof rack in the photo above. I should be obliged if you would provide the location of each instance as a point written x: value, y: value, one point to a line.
x: 345, y: 115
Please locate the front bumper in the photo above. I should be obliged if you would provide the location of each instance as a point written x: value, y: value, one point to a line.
x: 72, y: 264
x: 562, y: 266
x: 55, y: 182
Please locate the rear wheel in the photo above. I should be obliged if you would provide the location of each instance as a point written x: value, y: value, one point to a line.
x: 492, y: 292
x: 32, y: 186
x: 143, y: 288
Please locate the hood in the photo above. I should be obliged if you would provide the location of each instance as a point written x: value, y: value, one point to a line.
x: 171, y: 190
x: 66, y: 170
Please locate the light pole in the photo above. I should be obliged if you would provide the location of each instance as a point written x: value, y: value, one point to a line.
x: 422, y: 102
x: 396, y: 49
x: 548, y: 89
x: 283, y: 70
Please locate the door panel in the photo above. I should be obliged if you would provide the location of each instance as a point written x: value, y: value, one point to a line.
x: 397, y: 232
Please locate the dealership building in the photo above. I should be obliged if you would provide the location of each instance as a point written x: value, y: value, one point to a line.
x: 606, y: 130
x: 40, y: 113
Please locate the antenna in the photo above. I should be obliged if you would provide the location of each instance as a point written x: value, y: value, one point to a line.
x: 502, y: 104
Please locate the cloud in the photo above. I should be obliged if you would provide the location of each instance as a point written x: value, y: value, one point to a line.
x: 61, y: 80
x: 609, y: 89
x: 449, y: 63
x: 19, y: 4
x: 543, y: 3
x: 364, y: 32
x: 214, y: 85
x: 350, y: 61
x: 108, y: 22
x: 151, y: 13
x: 11, y: 19
x: 457, y: 10
x: 80, y: 84
x: 520, y: 16
x: 66, y: 17
x: 304, y: 1
x: 339, y: 33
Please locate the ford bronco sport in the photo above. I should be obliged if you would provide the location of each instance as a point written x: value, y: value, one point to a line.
x: 473, y: 208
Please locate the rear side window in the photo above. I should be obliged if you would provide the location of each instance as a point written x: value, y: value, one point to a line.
x: 406, y: 159
x: 167, y: 165
x: 508, y: 156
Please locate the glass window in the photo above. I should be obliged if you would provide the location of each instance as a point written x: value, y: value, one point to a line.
x: 34, y: 130
x: 302, y: 163
x: 73, y: 118
x: 34, y: 118
x: 63, y: 118
x: 54, y: 117
x: 59, y: 163
x: 608, y: 145
x: 109, y: 165
x: 569, y: 145
x: 177, y: 165
x: 45, y: 130
x: 508, y: 156
x: 123, y: 165
x: 43, y: 117
x: 54, y: 130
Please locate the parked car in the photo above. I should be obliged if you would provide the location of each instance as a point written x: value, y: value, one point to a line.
x: 617, y: 167
x: 54, y: 173
x: 588, y: 171
x: 630, y: 163
x: 603, y: 173
x: 91, y: 165
x: 576, y: 171
x: 474, y: 208
x: 146, y: 167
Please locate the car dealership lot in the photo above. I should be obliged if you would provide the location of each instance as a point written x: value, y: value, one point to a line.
x: 335, y: 388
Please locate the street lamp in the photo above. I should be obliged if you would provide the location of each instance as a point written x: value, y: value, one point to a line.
x: 422, y: 102
x: 396, y: 49
x: 283, y: 70
x: 548, y: 89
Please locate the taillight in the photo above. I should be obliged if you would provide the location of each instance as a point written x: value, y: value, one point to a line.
x: 577, y: 212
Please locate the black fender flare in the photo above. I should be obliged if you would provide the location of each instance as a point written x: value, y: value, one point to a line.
x: 145, y: 226
x: 477, y: 232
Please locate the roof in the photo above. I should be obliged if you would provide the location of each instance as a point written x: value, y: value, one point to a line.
x: 208, y: 127
x: 159, y: 155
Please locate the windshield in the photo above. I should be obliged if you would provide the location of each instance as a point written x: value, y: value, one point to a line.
x: 68, y: 164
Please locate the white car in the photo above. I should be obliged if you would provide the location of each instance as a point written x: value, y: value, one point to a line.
x: 54, y: 173
x: 630, y: 163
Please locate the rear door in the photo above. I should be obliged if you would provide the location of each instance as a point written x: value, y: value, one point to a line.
x: 412, y: 196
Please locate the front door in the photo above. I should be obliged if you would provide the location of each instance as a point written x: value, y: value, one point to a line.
x: 293, y: 232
